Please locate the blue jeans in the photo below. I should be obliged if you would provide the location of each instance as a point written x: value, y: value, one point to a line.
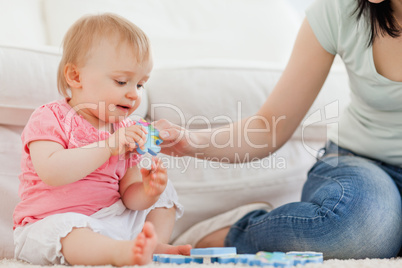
x: 350, y: 208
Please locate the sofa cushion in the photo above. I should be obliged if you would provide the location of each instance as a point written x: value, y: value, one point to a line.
x: 28, y: 80
x: 210, y: 93
x: 10, y: 158
x: 183, y: 29
x: 22, y: 23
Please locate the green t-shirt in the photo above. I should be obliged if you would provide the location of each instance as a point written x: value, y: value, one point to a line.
x: 372, y: 123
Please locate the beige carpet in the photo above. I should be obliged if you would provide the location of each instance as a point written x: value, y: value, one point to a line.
x: 367, y: 263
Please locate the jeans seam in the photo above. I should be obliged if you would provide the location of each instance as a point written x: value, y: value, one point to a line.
x: 337, y: 181
x: 304, y: 218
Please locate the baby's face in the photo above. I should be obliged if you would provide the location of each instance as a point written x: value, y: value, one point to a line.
x: 113, y: 80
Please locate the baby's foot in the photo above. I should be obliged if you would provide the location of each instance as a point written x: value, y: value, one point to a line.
x: 144, y: 245
x: 169, y: 249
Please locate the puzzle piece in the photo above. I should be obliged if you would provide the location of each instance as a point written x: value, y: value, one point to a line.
x: 168, y: 258
x: 228, y: 255
x: 153, y: 141
x: 306, y: 257
x: 277, y: 259
x: 213, y: 252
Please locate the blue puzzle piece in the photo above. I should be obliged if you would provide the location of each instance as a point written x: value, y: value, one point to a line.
x: 177, y: 259
x: 245, y: 258
x: 304, y: 257
x: 212, y: 252
x: 275, y: 259
x: 228, y: 255
x: 225, y: 259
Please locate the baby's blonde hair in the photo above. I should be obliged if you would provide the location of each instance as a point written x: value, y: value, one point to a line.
x: 89, y: 30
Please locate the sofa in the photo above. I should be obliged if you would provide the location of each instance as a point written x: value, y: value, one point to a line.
x: 215, y: 61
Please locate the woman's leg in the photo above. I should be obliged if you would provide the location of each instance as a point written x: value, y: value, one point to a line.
x: 350, y: 208
x: 396, y: 173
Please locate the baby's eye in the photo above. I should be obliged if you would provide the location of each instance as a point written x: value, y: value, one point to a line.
x: 121, y: 83
x: 140, y: 86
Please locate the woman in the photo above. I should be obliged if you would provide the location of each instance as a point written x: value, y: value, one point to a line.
x: 351, y: 202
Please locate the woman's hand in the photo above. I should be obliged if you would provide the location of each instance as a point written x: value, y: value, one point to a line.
x: 154, y: 180
x: 124, y: 139
x: 176, y: 140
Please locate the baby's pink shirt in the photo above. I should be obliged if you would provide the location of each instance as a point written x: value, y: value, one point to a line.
x: 58, y: 122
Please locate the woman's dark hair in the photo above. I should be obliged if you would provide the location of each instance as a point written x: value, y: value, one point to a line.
x: 380, y: 18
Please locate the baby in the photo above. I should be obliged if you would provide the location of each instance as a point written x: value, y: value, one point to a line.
x: 84, y: 200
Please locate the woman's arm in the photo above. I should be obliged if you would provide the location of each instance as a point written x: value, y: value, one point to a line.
x: 275, y: 122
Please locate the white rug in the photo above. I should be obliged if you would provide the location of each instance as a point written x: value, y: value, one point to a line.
x: 367, y: 263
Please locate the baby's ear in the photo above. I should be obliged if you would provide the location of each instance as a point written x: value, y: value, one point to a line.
x: 72, y: 75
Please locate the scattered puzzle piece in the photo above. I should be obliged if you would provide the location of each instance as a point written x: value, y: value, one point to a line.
x: 228, y: 255
x: 213, y: 252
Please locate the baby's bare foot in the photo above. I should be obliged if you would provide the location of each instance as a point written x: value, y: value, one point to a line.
x: 144, y: 245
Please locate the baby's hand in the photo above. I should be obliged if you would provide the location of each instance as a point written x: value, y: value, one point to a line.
x: 124, y: 139
x: 154, y: 180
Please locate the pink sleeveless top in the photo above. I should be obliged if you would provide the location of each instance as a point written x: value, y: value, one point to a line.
x: 58, y: 122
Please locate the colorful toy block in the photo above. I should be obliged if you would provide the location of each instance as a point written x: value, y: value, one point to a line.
x: 153, y: 141
x: 228, y: 255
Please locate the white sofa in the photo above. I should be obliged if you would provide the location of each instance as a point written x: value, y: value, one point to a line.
x: 215, y: 61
